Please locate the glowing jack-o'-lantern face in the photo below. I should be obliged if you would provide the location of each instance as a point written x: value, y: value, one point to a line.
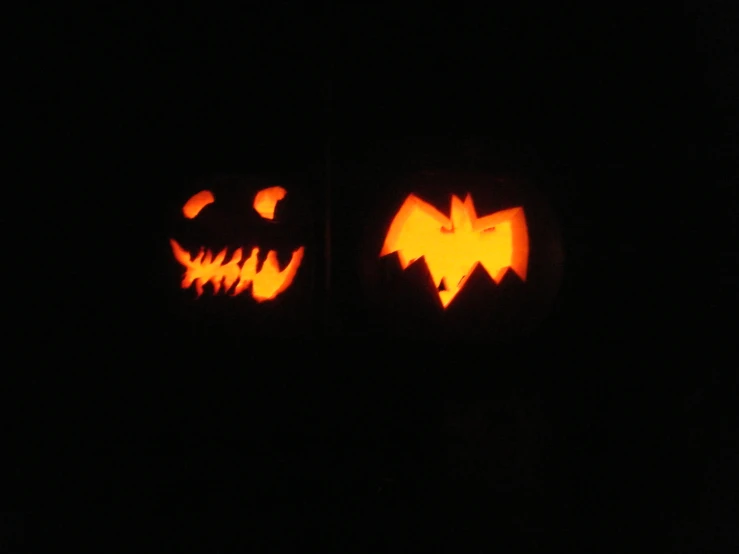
x: 454, y: 246
x: 235, y: 273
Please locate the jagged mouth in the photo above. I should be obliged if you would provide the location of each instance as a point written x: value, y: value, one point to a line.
x: 263, y: 276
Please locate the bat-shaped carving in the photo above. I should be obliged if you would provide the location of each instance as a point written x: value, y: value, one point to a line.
x: 453, y: 246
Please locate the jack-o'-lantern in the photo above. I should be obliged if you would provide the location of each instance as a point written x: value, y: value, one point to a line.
x: 239, y: 272
x: 459, y: 255
x: 242, y: 250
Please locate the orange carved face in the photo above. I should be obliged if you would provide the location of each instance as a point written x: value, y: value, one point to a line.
x: 234, y: 271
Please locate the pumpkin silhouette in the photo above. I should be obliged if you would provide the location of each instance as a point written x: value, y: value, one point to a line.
x: 241, y: 254
x: 461, y: 254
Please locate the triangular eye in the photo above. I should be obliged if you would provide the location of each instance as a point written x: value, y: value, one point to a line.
x: 442, y: 286
x: 197, y: 202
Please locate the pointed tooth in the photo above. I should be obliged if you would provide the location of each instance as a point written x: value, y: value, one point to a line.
x: 220, y: 257
x: 261, y: 257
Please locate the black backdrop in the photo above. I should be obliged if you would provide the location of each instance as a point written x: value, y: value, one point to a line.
x: 586, y: 434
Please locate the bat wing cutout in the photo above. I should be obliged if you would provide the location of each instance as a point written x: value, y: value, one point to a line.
x: 453, y: 246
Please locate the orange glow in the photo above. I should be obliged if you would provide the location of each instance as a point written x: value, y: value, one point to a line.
x: 197, y: 202
x: 452, y: 247
x: 266, y: 200
x: 265, y: 284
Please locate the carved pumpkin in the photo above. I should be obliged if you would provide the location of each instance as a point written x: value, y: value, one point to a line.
x: 239, y: 272
x: 241, y: 247
x: 462, y: 255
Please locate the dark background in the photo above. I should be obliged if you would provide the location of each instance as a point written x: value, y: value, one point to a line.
x: 613, y: 423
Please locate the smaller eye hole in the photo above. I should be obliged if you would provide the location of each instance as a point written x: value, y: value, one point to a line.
x: 489, y: 230
x: 445, y: 230
x: 197, y: 202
